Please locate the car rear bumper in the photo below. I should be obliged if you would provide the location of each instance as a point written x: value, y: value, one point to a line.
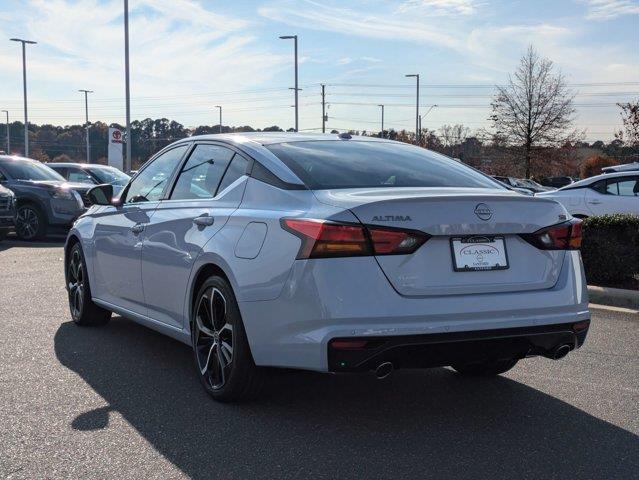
x: 351, y: 298
x: 443, y: 349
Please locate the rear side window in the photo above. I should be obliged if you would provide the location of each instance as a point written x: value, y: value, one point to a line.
x: 624, y: 187
x: 235, y: 170
x: 202, y: 173
x: 352, y: 164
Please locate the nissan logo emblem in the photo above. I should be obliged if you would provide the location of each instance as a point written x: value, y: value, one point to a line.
x: 483, y: 212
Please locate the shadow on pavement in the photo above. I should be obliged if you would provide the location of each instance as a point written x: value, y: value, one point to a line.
x: 414, y: 424
x: 48, y: 242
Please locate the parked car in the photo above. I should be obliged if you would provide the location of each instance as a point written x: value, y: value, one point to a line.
x: 627, y: 167
x: 556, y: 182
x: 329, y: 253
x: 45, y: 200
x: 600, y: 195
x: 509, y: 183
x: 533, y: 186
x: 7, y: 211
x: 93, y: 174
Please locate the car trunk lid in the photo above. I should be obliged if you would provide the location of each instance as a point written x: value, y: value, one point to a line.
x: 447, y: 213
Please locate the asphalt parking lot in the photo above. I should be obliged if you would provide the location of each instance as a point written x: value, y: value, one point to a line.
x: 123, y: 401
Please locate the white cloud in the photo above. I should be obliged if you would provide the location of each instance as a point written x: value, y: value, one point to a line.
x: 345, y: 61
x: 177, y: 48
x: 440, y: 7
x: 609, y: 9
x: 351, y: 22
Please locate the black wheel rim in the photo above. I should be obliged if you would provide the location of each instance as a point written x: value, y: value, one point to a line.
x: 27, y: 223
x: 76, y: 285
x: 213, y: 338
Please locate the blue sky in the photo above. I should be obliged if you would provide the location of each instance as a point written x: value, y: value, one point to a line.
x: 189, y: 55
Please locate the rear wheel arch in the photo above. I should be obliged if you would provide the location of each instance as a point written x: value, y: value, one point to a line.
x: 205, y: 271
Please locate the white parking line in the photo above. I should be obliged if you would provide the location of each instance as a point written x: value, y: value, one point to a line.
x: 612, y: 309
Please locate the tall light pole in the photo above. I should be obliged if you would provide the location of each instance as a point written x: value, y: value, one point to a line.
x: 417, y: 132
x: 323, y: 108
x: 382, y: 135
x: 24, y: 90
x: 127, y: 164
x: 8, y: 134
x: 294, y: 38
x: 220, y: 107
x: 86, y: 113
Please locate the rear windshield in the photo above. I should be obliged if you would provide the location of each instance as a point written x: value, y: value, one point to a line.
x: 327, y: 164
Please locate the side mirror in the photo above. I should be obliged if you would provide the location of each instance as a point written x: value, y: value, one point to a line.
x: 101, y: 195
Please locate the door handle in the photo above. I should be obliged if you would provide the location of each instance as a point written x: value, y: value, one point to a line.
x: 203, y: 221
x: 594, y: 202
x: 137, y: 228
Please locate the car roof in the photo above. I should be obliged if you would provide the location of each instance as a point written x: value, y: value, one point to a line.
x: 596, y: 178
x: 269, y: 138
x: 78, y: 164
x: 18, y: 158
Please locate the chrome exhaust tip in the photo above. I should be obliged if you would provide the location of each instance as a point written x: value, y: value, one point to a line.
x: 384, y: 370
x: 561, y: 351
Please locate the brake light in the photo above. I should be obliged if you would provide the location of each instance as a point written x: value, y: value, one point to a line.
x: 565, y: 236
x: 322, y: 239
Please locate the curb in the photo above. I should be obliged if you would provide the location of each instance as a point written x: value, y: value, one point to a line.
x: 617, y: 297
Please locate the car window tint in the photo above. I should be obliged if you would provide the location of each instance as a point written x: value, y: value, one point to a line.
x: 236, y: 169
x: 151, y: 182
x: 77, y: 175
x: 625, y: 187
x: 202, y: 173
x: 353, y: 164
x: 599, y: 186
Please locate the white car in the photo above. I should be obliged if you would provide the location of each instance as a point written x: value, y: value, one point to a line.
x: 600, y: 195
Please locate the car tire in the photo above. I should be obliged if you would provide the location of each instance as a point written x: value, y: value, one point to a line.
x: 30, y: 222
x: 221, y: 350
x: 83, y: 311
x: 487, y: 368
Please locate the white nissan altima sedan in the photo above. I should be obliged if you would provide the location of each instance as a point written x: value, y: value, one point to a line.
x: 330, y: 253
x: 599, y: 195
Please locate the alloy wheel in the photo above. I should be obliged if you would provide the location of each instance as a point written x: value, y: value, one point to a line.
x: 76, y: 284
x: 27, y: 223
x: 213, y: 338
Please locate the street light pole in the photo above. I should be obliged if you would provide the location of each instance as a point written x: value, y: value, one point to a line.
x: 86, y: 113
x: 8, y: 135
x: 323, y: 108
x: 294, y: 38
x: 382, y: 135
x: 127, y: 164
x: 417, y: 132
x: 220, y: 107
x: 24, y: 90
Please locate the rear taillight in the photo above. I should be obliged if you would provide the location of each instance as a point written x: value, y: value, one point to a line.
x: 564, y: 236
x: 321, y: 239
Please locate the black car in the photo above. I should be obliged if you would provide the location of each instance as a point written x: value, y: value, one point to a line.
x: 92, y: 173
x: 7, y: 211
x: 556, y: 182
x: 44, y: 200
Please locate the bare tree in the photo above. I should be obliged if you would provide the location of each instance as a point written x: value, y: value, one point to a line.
x: 453, y: 135
x: 630, y: 118
x: 535, y: 108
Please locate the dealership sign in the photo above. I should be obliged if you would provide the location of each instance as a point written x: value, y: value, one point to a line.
x: 116, y: 142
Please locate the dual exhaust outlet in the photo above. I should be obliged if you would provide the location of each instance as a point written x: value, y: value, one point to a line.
x: 384, y: 369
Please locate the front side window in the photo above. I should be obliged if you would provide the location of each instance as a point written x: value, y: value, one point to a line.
x: 200, y: 177
x: 151, y: 183
x: 327, y: 164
